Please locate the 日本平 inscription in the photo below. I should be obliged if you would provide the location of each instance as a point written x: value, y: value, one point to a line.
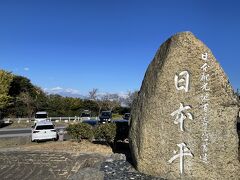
x: 181, y: 81
x: 188, y: 105
x: 183, y: 151
x: 205, y: 103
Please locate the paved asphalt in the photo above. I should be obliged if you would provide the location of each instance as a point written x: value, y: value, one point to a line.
x: 18, y: 132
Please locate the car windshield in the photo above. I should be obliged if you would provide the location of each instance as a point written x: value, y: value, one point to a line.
x: 41, y: 116
x: 106, y: 113
x: 85, y: 115
x: 127, y: 115
x: 43, y: 127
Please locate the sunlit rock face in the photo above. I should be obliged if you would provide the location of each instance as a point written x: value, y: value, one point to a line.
x: 183, y: 123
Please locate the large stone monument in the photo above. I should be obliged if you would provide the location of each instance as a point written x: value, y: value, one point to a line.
x: 183, y: 123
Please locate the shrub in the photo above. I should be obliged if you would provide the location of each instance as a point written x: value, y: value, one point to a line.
x: 106, y: 131
x: 116, y: 116
x: 80, y: 131
x: 122, y: 131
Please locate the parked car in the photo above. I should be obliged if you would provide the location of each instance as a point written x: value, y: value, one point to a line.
x: 2, y: 122
x: 86, y: 115
x: 41, y: 116
x: 105, y: 116
x: 126, y: 116
x: 44, y: 130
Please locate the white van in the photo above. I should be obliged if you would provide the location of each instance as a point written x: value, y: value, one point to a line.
x: 41, y: 116
x: 44, y: 130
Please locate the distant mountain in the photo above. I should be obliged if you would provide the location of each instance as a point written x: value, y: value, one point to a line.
x: 68, y: 92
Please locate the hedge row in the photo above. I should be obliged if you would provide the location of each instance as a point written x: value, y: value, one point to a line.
x: 79, y: 131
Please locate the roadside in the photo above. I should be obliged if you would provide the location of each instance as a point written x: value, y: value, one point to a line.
x: 63, y: 123
x: 24, y: 124
x: 68, y: 146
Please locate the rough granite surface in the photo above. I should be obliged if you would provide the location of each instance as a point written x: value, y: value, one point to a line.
x: 153, y: 134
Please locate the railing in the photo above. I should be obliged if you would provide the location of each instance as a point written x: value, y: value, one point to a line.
x: 55, y: 119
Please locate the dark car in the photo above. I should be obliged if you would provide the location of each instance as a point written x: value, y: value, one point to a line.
x: 1, y: 120
x: 86, y: 115
x: 126, y: 116
x: 105, y: 116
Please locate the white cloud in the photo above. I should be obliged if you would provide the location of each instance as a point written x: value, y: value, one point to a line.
x: 56, y: 88
x: 72, y: 91
x: 69, y: 92
x: 26, y: 69
x: 63, y: 91
x: 121, y: 94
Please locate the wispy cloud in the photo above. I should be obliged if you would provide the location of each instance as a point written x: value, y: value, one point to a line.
x: 26, y: 69
x: 120, y: 94
x: 56, y: 89
x: 63, y: 91
x: 70, y: 92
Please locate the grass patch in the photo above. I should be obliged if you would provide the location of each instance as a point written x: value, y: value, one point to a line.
x: 69, y: 146
x: 116, y: 116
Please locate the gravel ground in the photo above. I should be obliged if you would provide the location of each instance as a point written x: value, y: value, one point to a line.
x: 114, y: 167
x: 66, y: 160
x: 123, y: 170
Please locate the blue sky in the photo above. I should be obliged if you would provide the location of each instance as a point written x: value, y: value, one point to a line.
x: 77, y: 45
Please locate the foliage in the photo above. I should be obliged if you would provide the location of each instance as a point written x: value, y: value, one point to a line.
x: 106, y: 131
x: 122, y: 130
x: 21, y: 84
x: 5, y: 81
x: 80, y: 131
x: 26, y: 98
x: 28, y: 102
x: 116, y: 116
x: 90, y: 105
x: 238, y: 93
x: 122, y: 110
x: 20, y: 98
x: 69, y: 106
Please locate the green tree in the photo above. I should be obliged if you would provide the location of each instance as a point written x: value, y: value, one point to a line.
x: 40, y: 99
x: 55, y: 105
x: 5, y: 81
x: 29, y: 103
x: 26, y: 98
x: 238, y: 93
x: 90, y: 105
